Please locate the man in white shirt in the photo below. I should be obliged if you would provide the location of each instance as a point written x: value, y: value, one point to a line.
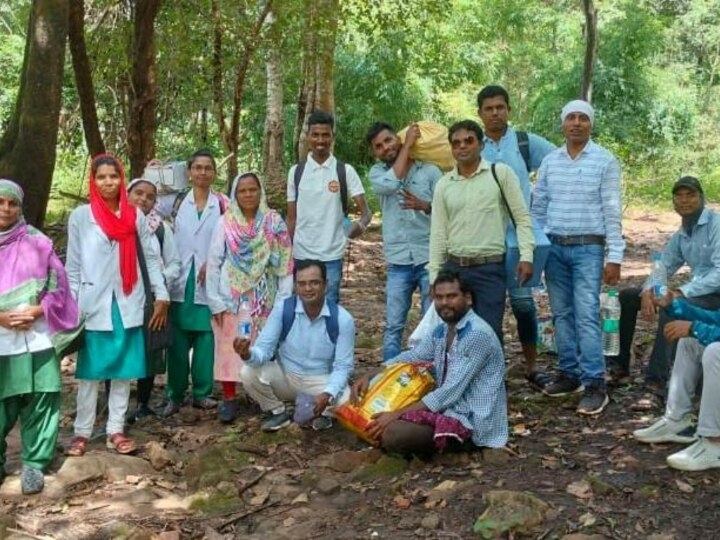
x: 316, y: 209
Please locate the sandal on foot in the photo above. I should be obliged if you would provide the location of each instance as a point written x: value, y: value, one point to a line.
x: 121, y: 444
x: 538, y: 379
x: 77, y: 447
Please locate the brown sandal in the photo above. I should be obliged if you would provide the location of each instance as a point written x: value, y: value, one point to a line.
x: 121, y: 444
x: 77, y: 447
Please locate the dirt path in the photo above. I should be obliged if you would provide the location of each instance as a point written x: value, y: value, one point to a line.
x: 212, y: 481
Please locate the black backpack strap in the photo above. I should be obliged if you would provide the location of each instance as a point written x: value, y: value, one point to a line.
x: 342, y: 178
x: 160, y: 233
x: 288, y: 316
x: 299, y: 169
x: 502, y: 194
x: 524, y: 147
x: 179, y: 198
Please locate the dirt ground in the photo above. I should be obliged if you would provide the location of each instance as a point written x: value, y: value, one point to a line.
x: 562, y: 476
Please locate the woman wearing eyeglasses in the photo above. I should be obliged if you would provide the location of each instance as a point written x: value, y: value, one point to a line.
x: 197, y: 213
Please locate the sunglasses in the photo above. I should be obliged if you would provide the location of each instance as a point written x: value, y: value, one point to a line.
x: 457, y: 143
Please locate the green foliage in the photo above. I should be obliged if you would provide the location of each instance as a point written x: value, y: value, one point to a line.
x: 656, y: 84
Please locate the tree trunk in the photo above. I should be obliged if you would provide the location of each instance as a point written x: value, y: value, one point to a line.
x: 83, y: 78
x: 230, y: 135
x: 590, y: 50
x: 273, y: 165
x: 143, y: 88
x: 317, y: 91
x: 27, y: 148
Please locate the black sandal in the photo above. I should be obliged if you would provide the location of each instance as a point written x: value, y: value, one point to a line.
x: 538, y: 379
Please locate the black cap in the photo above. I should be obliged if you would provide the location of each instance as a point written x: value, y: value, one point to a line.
x: 689, y: 182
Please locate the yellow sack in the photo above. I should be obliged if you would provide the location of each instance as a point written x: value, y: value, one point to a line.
x: 399, y: 385
x: 432, y: 146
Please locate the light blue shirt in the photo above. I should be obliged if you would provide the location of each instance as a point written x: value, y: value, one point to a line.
x: 470, y: 387
x: 507, y: 151
x: 406, y: 233
x: 307, y: 349
x: 701, y: 252
x: 581, y: 196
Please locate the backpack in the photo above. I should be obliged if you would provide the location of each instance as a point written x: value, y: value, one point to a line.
x: 342, y: 178
x: 524, y: 147
x: 181, y: 197
x: 288, y: 318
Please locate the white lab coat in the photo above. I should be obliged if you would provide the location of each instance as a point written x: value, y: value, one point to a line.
x: 218, y: 283
x: 192, y: 238
x: 93, y: 268
x: 170, y: 257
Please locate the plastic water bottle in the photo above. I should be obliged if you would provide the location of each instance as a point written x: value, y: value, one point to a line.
x: 244, y: 325
x: 658, y: 276
x: 611, y: 324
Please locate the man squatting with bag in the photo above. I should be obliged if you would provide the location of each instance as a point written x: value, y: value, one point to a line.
x: 468, y: 405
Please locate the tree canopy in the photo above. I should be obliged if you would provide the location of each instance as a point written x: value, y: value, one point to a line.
x: 655, y: 84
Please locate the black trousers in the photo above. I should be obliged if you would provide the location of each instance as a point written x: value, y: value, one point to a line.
x: 663, y: 354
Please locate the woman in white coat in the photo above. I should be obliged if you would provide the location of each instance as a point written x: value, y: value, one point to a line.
x: 104, y: 274
x: 198, y: 212
x: 250, y: 267
x: 142, y: 194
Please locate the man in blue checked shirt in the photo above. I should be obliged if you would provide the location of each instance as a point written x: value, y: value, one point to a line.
x: 577, y: 201
x: 468, y: 406
x: 523, y: 153
x: 311, y: 361
x: 405, y: 188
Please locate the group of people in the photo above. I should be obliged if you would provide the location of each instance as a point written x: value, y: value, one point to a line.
x: 222, y: 288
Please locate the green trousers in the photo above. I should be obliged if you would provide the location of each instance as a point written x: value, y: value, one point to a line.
x: 202, y: 344
x: 39, y: 415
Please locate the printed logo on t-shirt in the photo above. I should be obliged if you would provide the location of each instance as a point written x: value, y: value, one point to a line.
x: 334, y: 186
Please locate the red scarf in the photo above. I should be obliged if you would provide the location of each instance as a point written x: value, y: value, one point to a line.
x: 120, y: 229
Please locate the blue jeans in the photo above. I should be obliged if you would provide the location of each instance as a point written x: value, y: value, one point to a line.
x: 402, y: 280
x: 574, y: 275
x: 334, y: 276
x: 488, y: 285
x: 525, y: 312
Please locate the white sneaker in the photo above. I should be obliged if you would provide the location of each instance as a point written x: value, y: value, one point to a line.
x: 666, y: 430
x: 697, y: 457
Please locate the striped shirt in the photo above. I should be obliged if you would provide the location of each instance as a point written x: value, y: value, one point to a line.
x: 581, y: 196
x: 470, y: 384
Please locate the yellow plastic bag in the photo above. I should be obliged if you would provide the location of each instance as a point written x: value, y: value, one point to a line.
x: 432, y: 146
x: 399, y: 385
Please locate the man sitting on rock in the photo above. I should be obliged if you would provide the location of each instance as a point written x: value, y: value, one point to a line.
x: 316, y: 339
x: 468, y: 404
x: 697, y: 358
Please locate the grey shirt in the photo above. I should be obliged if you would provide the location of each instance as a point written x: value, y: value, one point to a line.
x: 406, y: 233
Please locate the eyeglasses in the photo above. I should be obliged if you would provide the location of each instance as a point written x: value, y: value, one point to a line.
x: 456, y: 143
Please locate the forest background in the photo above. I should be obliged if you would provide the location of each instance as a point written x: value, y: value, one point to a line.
x: 152, y: 78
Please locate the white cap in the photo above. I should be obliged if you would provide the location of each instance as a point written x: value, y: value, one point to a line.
x: 578, y: 106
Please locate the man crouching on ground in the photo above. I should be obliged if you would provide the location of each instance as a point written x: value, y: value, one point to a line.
x: 317, y: 340
x: 468, y: 405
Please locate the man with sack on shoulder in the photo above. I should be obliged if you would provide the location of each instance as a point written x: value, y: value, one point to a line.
x: 405, y: 188
x: 471, y: 209
x: 577, y: 201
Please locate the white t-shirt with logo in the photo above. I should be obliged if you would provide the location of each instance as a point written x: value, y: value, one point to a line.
x: 319, y: 232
